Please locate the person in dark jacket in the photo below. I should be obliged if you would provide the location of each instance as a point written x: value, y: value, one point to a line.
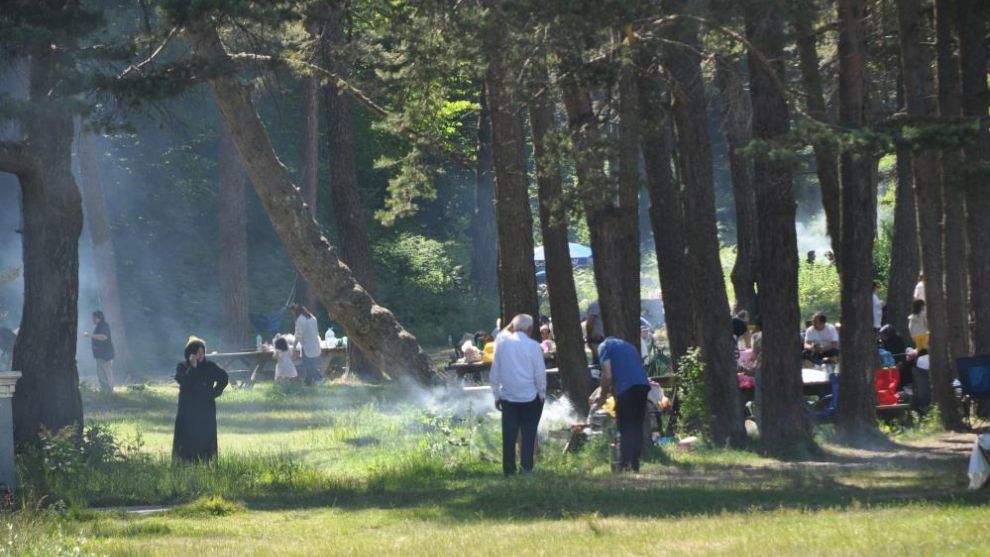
x: 102, y: 351
x: 200, y: 383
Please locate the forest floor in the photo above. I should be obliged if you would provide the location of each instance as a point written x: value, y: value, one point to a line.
x: 344, y: 469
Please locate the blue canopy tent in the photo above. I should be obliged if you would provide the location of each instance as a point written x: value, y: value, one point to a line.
x: 580, y: 255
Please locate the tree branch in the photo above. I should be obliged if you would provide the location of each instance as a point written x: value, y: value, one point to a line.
x: 14, y: 158
x: 342, y: 85
x: 139, y: 66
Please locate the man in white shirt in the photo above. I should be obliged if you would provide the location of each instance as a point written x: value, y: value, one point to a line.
x: 308, y: 339
x: 519, y: 384
x: 821, y: 340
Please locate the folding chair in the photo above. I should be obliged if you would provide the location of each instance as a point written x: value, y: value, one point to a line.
x: 974, y: 377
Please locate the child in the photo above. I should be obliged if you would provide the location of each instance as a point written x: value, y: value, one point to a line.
x: 918, y: 325
x: 285, y: 370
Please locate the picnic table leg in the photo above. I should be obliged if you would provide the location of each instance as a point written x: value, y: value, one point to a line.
x: 257, y: 367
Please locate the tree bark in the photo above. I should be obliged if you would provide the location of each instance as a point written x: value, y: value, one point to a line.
x: 345, y: 192
x: 784, y: 426
x: 826, y: 155
x: 105, y: 260
x: 975, y: 98
x: 856, y: 422
x: 309, y: 166
x: 915, y: 67
x: 611, y: 240
x: 737, y: 115
x: 564, y: 309
x: 372, y: 327
x: 904, y: 258
x: 695, y: 164
x: 513, y: 218
x: 484, y: 255
x: 667, y: 219
x: 47, y: 394
x: 626, y: 214
x: 954, y: 242
x: 235, y: 323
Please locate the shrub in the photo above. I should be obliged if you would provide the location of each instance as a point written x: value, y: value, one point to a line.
x: 695, y: 417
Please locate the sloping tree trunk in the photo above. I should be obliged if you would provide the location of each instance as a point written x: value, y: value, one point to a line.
x: 372, y: 327
x: 915, y: 67
x: 856, y: 417
x: 571, y: 359
x: 784, y: 426
x: 235, y: 324
x: 484, y: 256
x: 513, y: 218
x: 695, y: 163
x: 105, y: 260
x: 309, y: 166
x: 667, y: 218
x: 47, y: 394
x: 975, y: 98
x: 610, y: 237
x: 736, y: 122
x: 826, y: 155
x: 954, y: 242
x: 345, y: 192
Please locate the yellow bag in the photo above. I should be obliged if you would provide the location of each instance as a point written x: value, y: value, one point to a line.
x: 488, y: 355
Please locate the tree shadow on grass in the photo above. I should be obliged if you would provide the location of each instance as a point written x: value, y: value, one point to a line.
x: 474, y: 496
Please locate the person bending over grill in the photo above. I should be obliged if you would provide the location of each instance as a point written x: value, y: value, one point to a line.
x: 623, y: 376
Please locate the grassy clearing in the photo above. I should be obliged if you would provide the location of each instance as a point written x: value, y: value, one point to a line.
x: 362, y: 470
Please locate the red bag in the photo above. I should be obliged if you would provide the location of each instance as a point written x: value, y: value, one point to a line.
x: 887, y: 381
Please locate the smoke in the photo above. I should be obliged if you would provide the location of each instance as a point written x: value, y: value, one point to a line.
x: 812, y: 236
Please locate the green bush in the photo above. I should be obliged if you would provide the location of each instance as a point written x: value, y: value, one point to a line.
x: 818, y: 290
x: 423, y: 283
x: 695, y: 417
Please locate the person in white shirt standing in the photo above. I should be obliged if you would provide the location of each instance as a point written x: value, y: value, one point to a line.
x: 919, y: 289
x: 877, y: 308
x: 308, y: 337
x: 519, y: 383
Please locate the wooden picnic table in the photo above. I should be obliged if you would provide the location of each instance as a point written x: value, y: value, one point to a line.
x: 478, y: 371
x: 250, y: 365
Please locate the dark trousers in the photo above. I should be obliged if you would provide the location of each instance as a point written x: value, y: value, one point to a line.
x: 519, y: 419
x: 630, y: 412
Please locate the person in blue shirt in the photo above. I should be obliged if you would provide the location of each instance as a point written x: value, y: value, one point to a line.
x: 623, y: 376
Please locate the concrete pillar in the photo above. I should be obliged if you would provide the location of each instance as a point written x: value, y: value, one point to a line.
x: 8, y: 379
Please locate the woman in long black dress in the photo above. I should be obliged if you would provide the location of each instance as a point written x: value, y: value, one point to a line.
x: 200, y: 383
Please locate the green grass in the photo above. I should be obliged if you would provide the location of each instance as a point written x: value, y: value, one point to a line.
x: 363, y: 471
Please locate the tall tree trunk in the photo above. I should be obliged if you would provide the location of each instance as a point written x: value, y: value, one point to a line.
x: 235, y: 324
x: 904, y: 258
x: 975, y: 98
x: 47, y: 394
x: 695, y: 156
x: 736, y: 122
x: 571, y: 361
x: 856, y: 417
x: 513, y: 218
x: 309, y: 166
x: 954, y: 242
x: 484, y: 257
x: 826, y: 155
x: 372, y: 327
x: 915, y: 67
x: 608, y: 242
x: 626, y: 214
x: 784, y: 426
x: 345, y: 192
x: 667, y: 218
x: 91, y: 186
